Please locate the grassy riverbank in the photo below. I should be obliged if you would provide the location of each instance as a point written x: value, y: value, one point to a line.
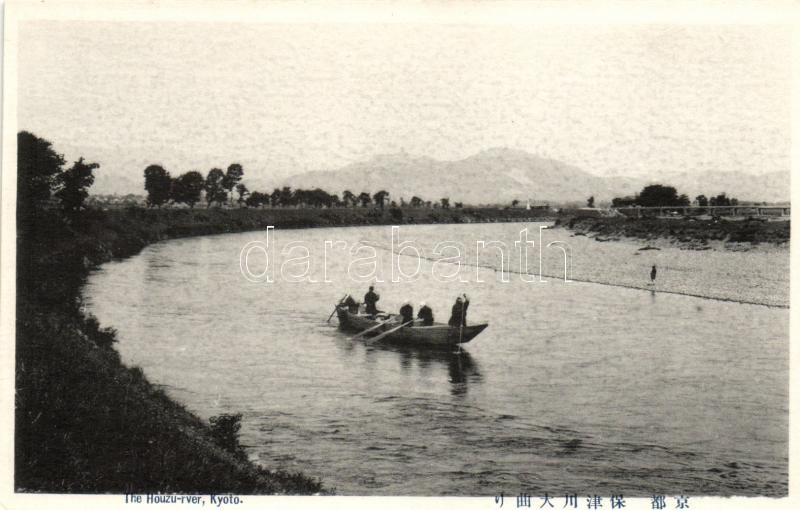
x: 87, y: 423
x: 84, y: 421
x: 687, y: 233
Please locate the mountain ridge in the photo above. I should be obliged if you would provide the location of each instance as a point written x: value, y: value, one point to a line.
x: 501, y: 174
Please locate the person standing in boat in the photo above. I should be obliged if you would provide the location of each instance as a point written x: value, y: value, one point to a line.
x: 425, y: 314
x: 351, y: 304
x: 406, y: 312
x: 370, y: 299
x: 458, y: 315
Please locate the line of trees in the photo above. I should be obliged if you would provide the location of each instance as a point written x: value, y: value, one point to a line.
x: 657, y: 195
x: 187, y: 188
x: 218, y: 187
x: 287, y: 197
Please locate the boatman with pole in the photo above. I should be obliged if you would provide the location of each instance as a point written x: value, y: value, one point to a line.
x: 370, y: 299
x: 458, y: 316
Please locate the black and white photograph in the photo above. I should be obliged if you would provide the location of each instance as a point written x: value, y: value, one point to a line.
x: 530, y: 255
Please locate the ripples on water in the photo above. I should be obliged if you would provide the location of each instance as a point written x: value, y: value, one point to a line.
x: 573, y: 387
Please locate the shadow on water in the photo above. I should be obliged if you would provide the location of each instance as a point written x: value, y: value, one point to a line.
x: 462, y: 369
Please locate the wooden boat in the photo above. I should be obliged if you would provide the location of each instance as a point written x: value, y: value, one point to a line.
x: 438, y: 335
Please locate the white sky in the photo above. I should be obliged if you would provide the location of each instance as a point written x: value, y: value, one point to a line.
x: 283, y: 99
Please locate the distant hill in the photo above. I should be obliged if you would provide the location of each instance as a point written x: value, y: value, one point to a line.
x: 493, y: 176
x: 501, y: 175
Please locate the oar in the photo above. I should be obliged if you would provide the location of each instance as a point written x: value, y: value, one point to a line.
x: 373, y: 328
x: 336, y: 308
x: 382, y: 335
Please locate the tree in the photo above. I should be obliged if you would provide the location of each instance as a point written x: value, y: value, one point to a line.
x: 232, y: 178
x: 514, y: 202
x: 683, y: 200
x: 275, y: 197
x: 257, y: 199
x: 702, y: 200
x: 214, y: 190
x: 157, y: 182
x: 186, y: 188
x: 624, y: 201
x: 349, y: 198
x: 364, y: 198
x: 445, y: 203
x: 73, y: 185
x: 380, y: 197
x: 286, y: 196
x: 312, y: 198
x: 320, y: 198
x: 38, y: 167
x: 657, y: 195
x: 720, y: 200
x: 242, y: 190
x: 417, y: 202
x: 590, y: 202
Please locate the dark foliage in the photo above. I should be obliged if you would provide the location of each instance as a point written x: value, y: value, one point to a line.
x: 225, y: 430
x: 157, y: 183
x: 186, y: 188
x: 38, y: 167
x: 215, y: 190
x: 657, y: 195
x: 73, y: 186
x: 232, y: 177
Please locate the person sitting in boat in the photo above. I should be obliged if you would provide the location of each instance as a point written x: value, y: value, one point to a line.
x: 351, y: 304
x: 459, y: 313
x: 425, y: 314
x: 406, y: 312
x: 370, y: 299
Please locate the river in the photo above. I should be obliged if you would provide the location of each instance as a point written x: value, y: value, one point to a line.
x: 573, y: 387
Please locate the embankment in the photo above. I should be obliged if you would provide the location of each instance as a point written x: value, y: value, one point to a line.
x: 688, y: 233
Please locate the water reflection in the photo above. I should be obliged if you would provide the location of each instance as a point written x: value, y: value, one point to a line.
x: 462, y: 369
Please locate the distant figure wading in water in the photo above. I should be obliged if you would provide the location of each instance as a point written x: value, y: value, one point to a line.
x: 653, y: 275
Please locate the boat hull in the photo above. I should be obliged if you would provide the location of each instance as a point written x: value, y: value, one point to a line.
x: 438, y: 335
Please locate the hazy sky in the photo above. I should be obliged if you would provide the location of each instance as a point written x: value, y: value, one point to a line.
x: 283, y: 99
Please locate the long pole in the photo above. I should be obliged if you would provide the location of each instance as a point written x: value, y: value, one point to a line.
x: 385, y: 333
x: 373, y: 328
x: 336, y: 308
x: 461, y: 327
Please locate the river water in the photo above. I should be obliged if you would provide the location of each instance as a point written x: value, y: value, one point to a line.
x: 573, y: 387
